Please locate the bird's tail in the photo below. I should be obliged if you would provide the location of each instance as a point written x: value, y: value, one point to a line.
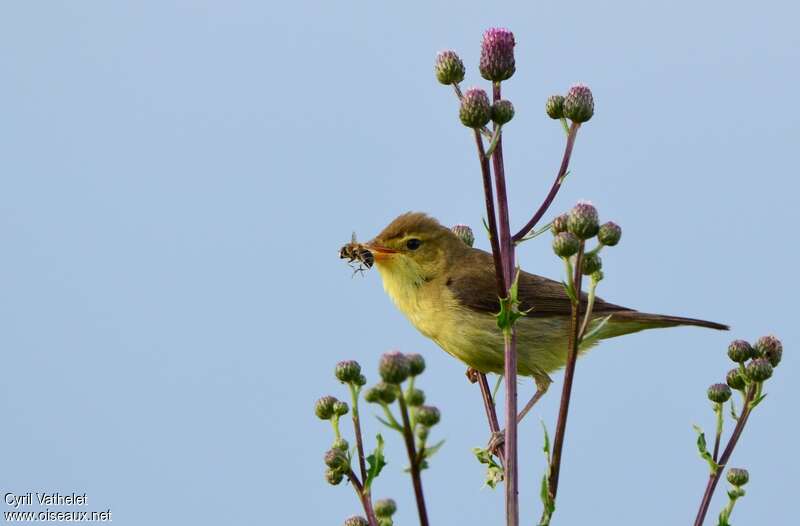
x: 627, y: 322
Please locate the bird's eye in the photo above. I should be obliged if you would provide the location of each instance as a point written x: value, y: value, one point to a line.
x: 413, y: 244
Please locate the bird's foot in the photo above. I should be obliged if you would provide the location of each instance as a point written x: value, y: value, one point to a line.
x: 496, y: 443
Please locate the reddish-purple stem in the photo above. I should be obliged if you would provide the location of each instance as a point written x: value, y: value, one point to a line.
x: 569, y: 375
x: 562, y: 171
x: 366, y: 502
x: 414, y: 460
x: 491, y: 216
x: 713, y: 479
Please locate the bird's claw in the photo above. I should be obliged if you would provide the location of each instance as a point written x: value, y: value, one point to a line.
x: 496, y: 442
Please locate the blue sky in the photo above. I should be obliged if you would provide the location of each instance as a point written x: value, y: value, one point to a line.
x: 177, y: 178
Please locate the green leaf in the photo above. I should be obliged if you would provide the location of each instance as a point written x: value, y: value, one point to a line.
x: 733, y: 411
x: 704, y: 454
x: 388, y: 424
x: 376, y: 462
x: 596, y: 329
x: 494, y: 471
x: 509, y: 307
x: 757, y: 401
x: 570, y: 292
x: 544, y: 491
x: 430, y: 451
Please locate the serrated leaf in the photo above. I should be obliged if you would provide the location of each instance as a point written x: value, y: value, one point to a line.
x: 494, y: 472
x: 702, y: 448
x: 376, y: 462
x: 544, y: 491
x: 757, y: 401
x: 597, y: 328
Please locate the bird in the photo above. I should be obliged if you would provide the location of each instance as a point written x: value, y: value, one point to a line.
x: 447, y: 290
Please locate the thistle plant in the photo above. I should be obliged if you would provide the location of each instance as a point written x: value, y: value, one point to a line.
x: 414, y: 425
x: 755, y: 365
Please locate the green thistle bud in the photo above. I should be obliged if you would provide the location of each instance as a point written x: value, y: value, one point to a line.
x: 356, y: 520
x: 415, y: 397
x: 497, y: 54
x: 340, y: 444
x: 591, y: 263
x: 738, y: 476
x: 554, y: 106
x: 502, y: 111
x: 360, y: 381
x: 336, y: 459
x: 385, y: 521
x: 428, y: 416
x: 598, y: 276
x: 582, y: 220
x: 559, y: 224
x: 740, y: 351
x: 579, y: 103
x: 449, y: 68
x: 771, y: 348
x: 475, y: 110
x: 347, y: 371
x: 334, y: 476
x: 759, y: 369
x: 719, y: 393
x: 422, y: 432
x: 565, y: 244
x: 372, y: 395
x: 394, y: 367
x: 465, y: 234
x: 381, y: 393
x: 385, y: 507
x: 340, y: 408
x: 324, y: 407
x: 416, y: 364
x: 735, y: 379
x: 609, y: 234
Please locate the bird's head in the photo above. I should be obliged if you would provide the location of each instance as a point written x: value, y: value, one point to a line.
x: 414, y: 248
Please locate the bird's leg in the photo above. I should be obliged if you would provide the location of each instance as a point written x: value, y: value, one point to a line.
x: 475, y: 376
x: 542, y: 384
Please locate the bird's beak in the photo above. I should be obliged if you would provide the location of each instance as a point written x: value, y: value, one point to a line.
x: 379, y: 252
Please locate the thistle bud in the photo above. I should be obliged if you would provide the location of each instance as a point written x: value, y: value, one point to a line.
x: 735, y: 379
x: 738, y: 476
x: 609, y: 234
x: 394, y: 367
x: 591, y: 263
x: 465, y: 234
x: 502, y: 111
x: 356, y: 520
x: 559, y: 224
x: 759, y: 369
x: 497, y: 54
x: 740, y: 351
x: 416, y: 364
x: 771, y: 348
x: 347, y: 371
x: 360, y: 381
x: 336, y: 459
x: 428, y: 415
x: 719, y: 393
x: 324, y: 407
x: 475, y: 110
x: 340, y: 444
x: 385, y: 507
x: 449, y: 67
x: 415, y: 397
x: 385, y: 521
x: 598, y: 276
x: 579, y: 103
x: 582, y: 220
x: 554, y: 106
x: 372, y: 395
x: 565, y: 244
x: 333, y: 476
x: 340, y: 408
x: 381, y: 393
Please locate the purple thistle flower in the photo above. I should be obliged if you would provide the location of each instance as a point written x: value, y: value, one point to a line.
x: 497, y: 54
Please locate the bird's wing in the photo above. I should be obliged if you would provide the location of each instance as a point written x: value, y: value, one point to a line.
x: 478, y: 290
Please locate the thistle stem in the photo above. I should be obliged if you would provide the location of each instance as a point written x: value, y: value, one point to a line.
x: 364, y: 496
x: 562, y: 171
x: 718, y: 412
x: 491, y: 215
x: 589, y: 307
x: 357, y: 430
x: 509, y: 334
x: 569, y: 375
x: 416, y: 479
x: 713, y: 478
